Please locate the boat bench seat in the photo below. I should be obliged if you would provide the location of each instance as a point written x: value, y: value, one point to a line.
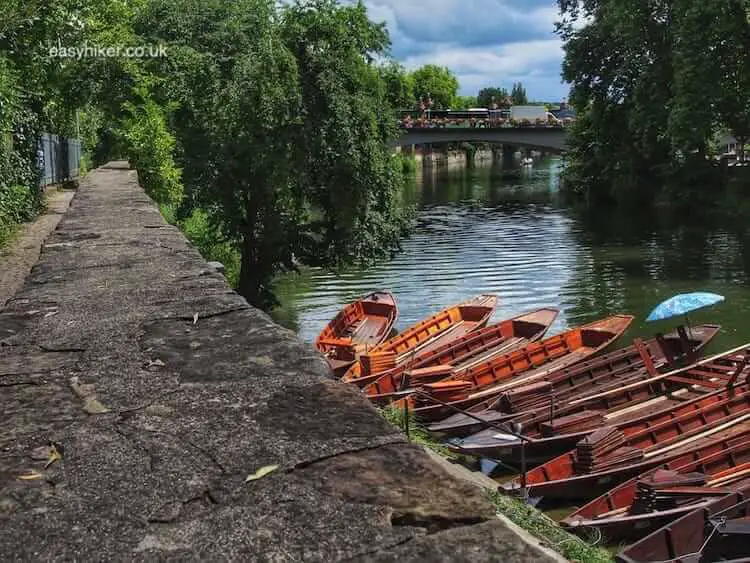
x: 370, y: 330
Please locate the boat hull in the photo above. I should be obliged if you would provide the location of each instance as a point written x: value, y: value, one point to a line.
x: 685, y: 539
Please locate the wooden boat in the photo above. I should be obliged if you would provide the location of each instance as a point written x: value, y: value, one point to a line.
x: 714, y: 532
x: 472, y: 349
x: 489, y: 379
x: 442, y: 328
x: 608, y: 456
x: 629, y: 405
x: 661, y: 495
x: 358, y: 327
x: 581, y: 379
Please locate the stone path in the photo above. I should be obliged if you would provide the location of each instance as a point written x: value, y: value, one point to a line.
x: 16, y: 260
x: 163, y: 391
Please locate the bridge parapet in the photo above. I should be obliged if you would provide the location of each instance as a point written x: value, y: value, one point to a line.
x: 550, y: 138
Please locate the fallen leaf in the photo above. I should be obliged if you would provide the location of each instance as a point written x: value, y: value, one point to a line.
x: 54, y: 455
x: 195, y: 318
x: 30, y: 476
x: 93, y: 406
x: 262, y: 472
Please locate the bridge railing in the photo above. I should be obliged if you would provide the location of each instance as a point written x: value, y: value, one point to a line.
x: 423, y: 123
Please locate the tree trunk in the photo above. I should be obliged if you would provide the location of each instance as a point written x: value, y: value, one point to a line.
x: 247, y: 285
x: 741, y: 149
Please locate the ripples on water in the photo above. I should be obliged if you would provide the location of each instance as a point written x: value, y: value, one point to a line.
x: 478, y: 233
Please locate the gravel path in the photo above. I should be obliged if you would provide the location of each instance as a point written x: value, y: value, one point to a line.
x: 17, y: 260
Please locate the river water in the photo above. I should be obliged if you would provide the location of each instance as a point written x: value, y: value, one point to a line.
x: 480, y: 232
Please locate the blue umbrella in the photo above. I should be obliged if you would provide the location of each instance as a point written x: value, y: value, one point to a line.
x: 682, y: 304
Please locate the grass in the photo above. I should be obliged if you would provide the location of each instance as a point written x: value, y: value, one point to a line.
x: 8, y: 233
x: 417, y: 434
x: 523, y: 515
x: 548, y: 531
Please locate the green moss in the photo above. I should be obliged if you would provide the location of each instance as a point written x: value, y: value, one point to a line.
x: 547, y: 530
x: 417, y: 434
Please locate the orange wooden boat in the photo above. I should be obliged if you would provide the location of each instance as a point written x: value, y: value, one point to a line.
x: 551, y: 398
x: 714, y: 532
x: 358, y: 327
x: 639, y: 400
x: 580, y: 473
x: 472, y: 349
x: 442, y: 328
x: 523, y: 366
x: 633, y: 508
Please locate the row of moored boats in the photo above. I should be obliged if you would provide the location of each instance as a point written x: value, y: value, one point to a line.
x: 654, y: 437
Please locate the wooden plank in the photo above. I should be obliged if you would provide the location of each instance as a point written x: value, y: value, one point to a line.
x: 645, y: 356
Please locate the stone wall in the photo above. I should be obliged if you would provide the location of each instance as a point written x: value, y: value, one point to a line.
x: 163, y: 390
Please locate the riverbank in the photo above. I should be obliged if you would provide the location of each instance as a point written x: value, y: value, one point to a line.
x: 150, y: 412
x: 541, y: 529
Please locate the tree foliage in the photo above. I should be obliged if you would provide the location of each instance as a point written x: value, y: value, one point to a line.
x: 399, y: 84
x: 518, y: 94
x: 283, y: 125
x: 274, y: 117
x: 438, y: 82
x: 488, y: 96
x: 652, y: 82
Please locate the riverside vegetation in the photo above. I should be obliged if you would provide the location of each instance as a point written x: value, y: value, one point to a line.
x: 263, y: 133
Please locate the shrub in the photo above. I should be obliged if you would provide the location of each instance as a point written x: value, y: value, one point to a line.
x: 150, y: 149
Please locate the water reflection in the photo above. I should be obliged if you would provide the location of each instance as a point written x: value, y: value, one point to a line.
x: 480, y: 231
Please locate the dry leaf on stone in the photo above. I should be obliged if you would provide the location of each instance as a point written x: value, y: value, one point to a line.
x: 30, y: 476
x: 262, y: 472
x: 93, y: 406
x: 54, y: 455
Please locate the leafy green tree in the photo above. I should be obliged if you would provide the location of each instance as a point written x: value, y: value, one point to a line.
x: 343, y: 159
x: 490, y: 95
x: 438, y: 82
x: 465, y: 102
x: 518, y: 94
x: 734, y: 107
x: 399, y: 85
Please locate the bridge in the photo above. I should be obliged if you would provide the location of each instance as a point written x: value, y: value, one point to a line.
x: 550, y: 139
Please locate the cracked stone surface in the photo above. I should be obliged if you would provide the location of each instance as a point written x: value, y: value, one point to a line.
x: 160, y: 417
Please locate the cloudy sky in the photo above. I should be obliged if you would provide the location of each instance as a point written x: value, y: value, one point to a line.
x: 485, y: 42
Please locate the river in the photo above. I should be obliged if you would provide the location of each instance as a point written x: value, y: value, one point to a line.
x: 480, y: 232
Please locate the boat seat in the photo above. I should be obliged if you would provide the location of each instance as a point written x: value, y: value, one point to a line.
x: 335, y: 341
x: 370, y: 329
x: 685, y: 346
x: 662, y: 342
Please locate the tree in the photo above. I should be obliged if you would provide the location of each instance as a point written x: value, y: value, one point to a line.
x: 465, y: 102
x: 652, y: 83
x: 342, y: 155
x: 399, y: 85
x: 734, y: 108
x: 518, y: 94
x: 438, y: 82
x: 490, y: 95
x: 284, y: 123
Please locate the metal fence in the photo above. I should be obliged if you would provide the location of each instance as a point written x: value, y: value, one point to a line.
x: 58, y: 159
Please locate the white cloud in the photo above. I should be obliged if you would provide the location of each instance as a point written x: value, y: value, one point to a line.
x: 485, y: 42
